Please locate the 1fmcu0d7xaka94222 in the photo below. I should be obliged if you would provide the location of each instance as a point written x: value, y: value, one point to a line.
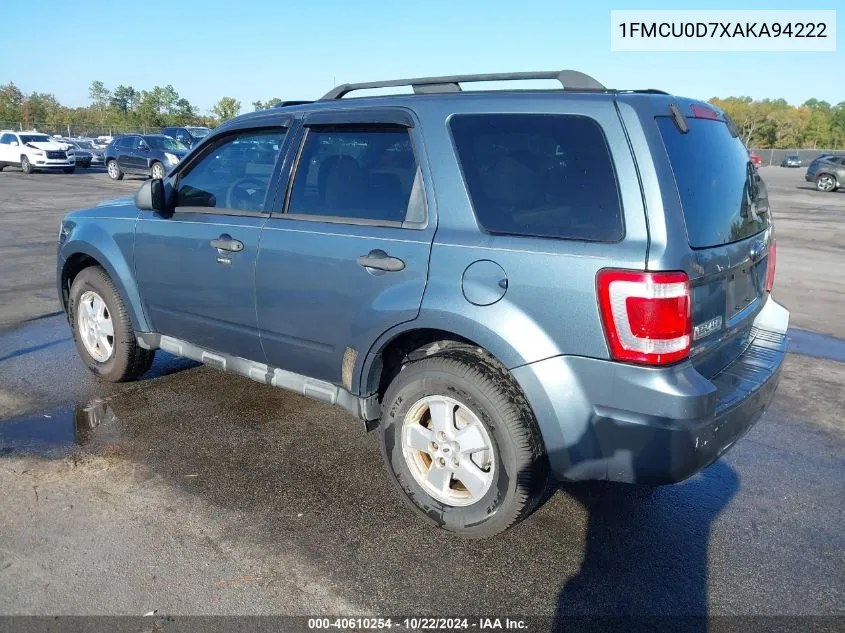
x: 508, y: 285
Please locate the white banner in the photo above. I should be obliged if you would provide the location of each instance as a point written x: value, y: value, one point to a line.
x: 708, y: 30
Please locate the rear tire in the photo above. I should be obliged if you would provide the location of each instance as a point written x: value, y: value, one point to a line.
x: 114, y: 171
x: 826, y: 183
x: 507, y: 479
x: 26, y: 166
x: 69, y: 170
x: 119, y: 358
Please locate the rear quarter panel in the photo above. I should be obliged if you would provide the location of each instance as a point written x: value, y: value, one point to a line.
x: 550, y: 305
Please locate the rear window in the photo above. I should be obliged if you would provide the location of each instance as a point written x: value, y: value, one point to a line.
x: 539, y: 175
x: 721, y: 193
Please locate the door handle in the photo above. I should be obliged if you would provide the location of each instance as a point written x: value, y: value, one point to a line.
x: 226, y: 243
x: 379, y: 260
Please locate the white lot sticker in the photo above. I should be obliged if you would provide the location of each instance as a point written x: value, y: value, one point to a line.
x: 722, y: 30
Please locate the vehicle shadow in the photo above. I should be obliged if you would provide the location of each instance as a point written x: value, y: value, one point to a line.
x: 645, y: 563
x: 811, y: 187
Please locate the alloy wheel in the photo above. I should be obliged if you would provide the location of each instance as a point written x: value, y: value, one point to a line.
x: 824, y: 182
x: 448, y: 451
x: 95, y: 326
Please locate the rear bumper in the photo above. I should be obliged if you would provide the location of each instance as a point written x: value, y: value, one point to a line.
x: 607, y: 420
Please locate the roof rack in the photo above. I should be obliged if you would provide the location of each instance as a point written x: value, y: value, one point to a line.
x: 569, y: 80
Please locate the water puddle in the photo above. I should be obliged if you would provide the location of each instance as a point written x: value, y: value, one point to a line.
x: 816, y: 345
x: 56, y: 432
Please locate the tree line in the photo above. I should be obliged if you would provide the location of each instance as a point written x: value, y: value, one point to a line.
x: 767, y: 123
x: 123, y: 107
x: 775, y: 124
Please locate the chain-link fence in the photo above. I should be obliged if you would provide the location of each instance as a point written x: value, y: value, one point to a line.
x: 75, y: 130
x: 776, y: 156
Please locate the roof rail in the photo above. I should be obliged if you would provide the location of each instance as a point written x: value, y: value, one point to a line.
x: 283, y: 104
x: 569, y: 80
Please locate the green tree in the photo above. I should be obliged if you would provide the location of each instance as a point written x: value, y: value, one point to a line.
x: 226, y: 108
x: 184, y: 111
x: 123, y: 98
x: 11, y: 102
x: 168, y: 98
x: 99, y: 96
x: 818, y: 130
x: 270, y: 103
x: 39, y: 107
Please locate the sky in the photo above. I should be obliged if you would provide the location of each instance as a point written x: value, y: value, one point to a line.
x: 298, y: 50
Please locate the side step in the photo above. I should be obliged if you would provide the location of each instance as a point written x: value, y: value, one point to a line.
x: 367, y: 409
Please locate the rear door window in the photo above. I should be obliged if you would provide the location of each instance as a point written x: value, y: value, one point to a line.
x: 539, y: 175
x: 721, y: 195
x: 357, y: 173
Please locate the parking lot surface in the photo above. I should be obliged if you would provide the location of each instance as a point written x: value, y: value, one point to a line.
x: 192, y: 491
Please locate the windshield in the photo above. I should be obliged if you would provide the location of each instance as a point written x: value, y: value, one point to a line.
x: 198, y: 132
x: 720, y: 190
x: 166, y: 143
x: 34, y: 138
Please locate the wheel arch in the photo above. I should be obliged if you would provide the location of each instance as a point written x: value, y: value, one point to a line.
x: 386, y: 356
x: 79, y: 255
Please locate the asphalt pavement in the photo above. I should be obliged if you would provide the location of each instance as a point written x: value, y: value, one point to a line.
x: 196, y: 492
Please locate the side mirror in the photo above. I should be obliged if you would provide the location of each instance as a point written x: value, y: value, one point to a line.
x: 14, y: 143
x: 150, y: 196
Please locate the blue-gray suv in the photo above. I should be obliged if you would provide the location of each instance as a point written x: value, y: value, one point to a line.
x: 511, y: 286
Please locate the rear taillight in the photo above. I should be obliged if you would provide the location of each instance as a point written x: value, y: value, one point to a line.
x: 770, y: 268
x: 646, y: 316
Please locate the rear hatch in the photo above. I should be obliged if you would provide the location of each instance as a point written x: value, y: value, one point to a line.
x: 728, y: 225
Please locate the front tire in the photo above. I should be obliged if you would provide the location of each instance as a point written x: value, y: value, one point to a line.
x: 114, y: 171
x: 26, y: 166
x: 69, y: 170
x: 461, y: 443
x: 102, y: 330
x: 157, y: 171
x: 826, y: 183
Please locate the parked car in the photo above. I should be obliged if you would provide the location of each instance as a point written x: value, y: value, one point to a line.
x: 33, y: 151
x: 188, y: 136
x: 755, y: 159
x: 792, y: 160
x: 98, y: 154
x: 149, y: 154
x: 84, y: 157
x: 827, y: 171
x: 548, y: 329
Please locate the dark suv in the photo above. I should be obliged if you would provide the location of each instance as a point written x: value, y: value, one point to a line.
x: 147, y: 154
x: 188, y: 136
x: 827, y: 171
x: 507, y: 284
